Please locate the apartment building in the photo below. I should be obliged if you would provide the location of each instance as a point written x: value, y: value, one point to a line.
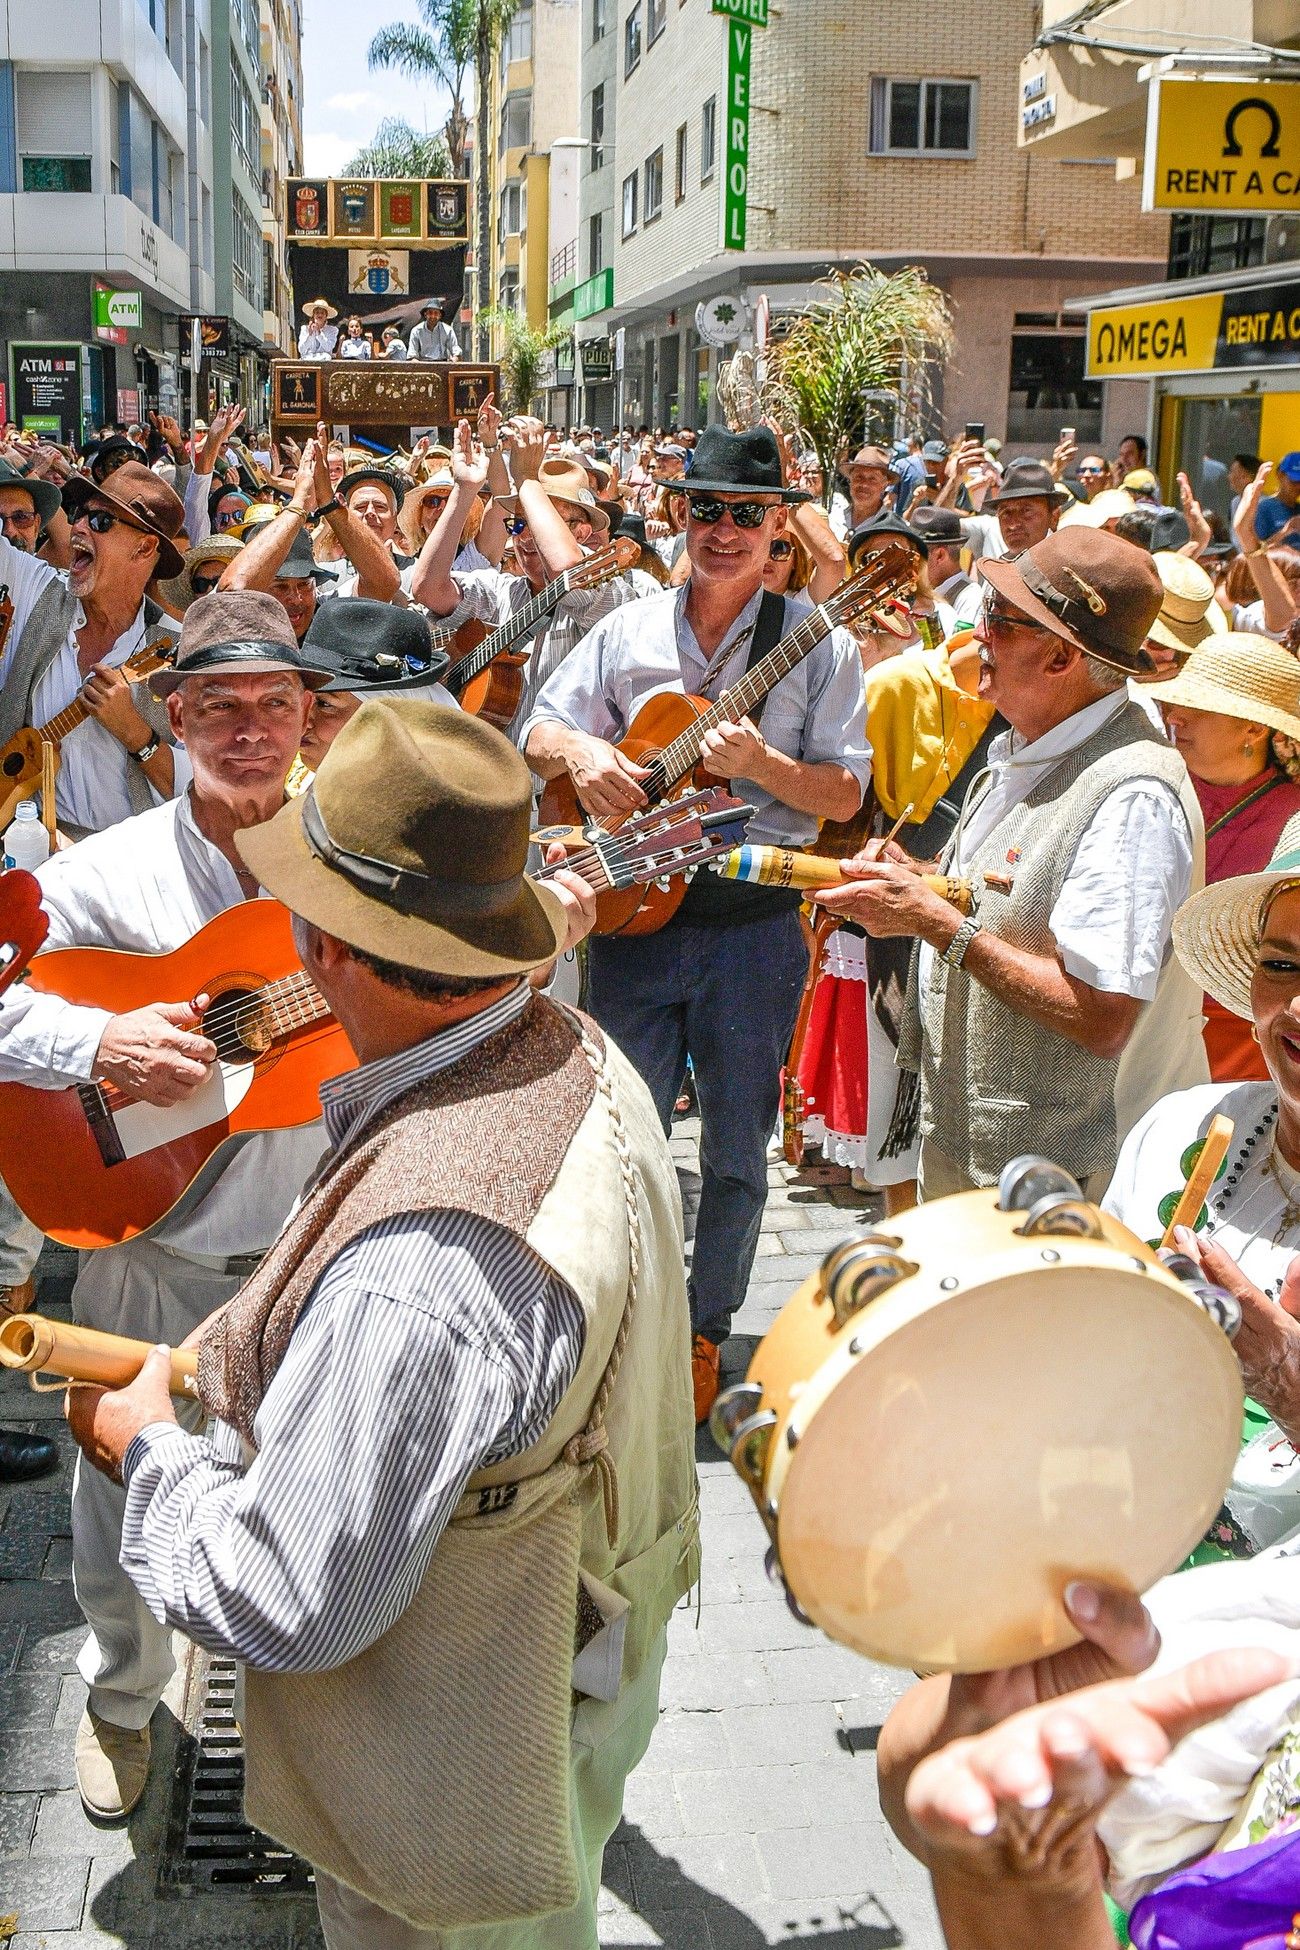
x: 872, y: 135
x: 280, y: 29
x: 237, y: 182
x: 1204, y: 359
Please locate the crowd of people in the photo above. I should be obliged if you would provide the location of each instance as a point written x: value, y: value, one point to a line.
x: 451, y: 1348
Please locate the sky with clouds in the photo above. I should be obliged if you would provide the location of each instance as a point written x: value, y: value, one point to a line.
x: 343, y: 100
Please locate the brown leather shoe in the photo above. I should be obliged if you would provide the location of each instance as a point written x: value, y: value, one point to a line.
x: 18, y: 1299
x: 112, y: 1766
x: 705, y: 1356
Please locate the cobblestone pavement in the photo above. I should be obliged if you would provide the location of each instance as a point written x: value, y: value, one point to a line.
x: 753, y: 1820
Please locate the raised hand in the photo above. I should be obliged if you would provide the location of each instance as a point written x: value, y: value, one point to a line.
x: 488, y: 424
x: 527, y: 447
x: 469, y: 463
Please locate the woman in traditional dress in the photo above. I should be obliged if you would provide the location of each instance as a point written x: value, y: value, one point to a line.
x: 1225, y: 709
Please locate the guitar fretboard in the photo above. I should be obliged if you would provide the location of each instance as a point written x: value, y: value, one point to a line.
x: 55, y: 729
x: 509, y: 632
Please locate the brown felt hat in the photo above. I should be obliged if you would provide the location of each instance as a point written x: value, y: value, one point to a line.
x: 410, y: 844
x: 1088, y: 587
x: 234, y: 632
x: 139, y: 495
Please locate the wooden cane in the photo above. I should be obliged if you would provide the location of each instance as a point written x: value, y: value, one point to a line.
x: 1213, y: 1152
x: 49, y: 812
x: 38, y: 1345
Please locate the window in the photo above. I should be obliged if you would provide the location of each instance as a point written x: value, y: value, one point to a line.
x: 509, y: 291
x: 708, y: 138
x: 205, y: 83
x: 928, y: 118
x: 245, y: 123
x: 516, y: 42
x: 1201, y: 245
x: 599, y: 20
x: 632, y: 40
x: 654, y: 186
x: 595, y: 244
x: 53, y: 112
x: 511, y: 220
x: 596, y: 126
x: 629, y: 204
x: 246, y: 245
x: 679, y: 181
x: 516, y: 122
x: 1048, y: 388
x: 656, y: 20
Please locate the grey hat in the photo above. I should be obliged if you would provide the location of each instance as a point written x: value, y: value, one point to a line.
x: 234, y: 631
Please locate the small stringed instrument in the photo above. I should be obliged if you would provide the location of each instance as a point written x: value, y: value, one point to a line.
x: 488, y: 679
x: 92, y: 1166
x: 21, y: 760
x: 666, y: 733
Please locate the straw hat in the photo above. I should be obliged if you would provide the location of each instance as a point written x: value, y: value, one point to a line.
x: 408, y: 520
x: 320, y: 304
x: 1217, y: 932
x: 429, y: 872
x: 563, y: 480
x: 179, y: 591
x: 1239, y: 676
x: 1189, y: 614
x: 1109, y: 505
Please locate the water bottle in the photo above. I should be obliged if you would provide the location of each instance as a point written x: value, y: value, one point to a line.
x: 27, y: 843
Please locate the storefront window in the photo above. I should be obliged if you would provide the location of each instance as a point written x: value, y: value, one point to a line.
x: 1048, y: 389
x: 1210, y: 432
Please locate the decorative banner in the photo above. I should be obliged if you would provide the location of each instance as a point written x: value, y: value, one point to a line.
x: 1213, y: 331
x: 1231, y: 146
x: 448, y: 212
x: 47, y: 389
x: 379, y: 273
x: 470, y: 386
x: 399, y: 210
x: 113, y: 312
x: 308, y: 208
x: 353, y: 213
x: 128, y: 404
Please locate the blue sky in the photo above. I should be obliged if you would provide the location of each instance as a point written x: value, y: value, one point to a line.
x: 343, y: 100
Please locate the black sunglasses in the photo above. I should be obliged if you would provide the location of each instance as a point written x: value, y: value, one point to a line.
x: 781, y: 549
x: 100, y: 520
x: 204, y: 585
x: 745, y: 514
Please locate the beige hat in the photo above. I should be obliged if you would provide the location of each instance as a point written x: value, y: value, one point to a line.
x: 565, y: 480
x: 1189, y: 615
x: 1217, y: 932
x: 408, y: 519
x: 1238, y: 676
x: 179, y: 591
x: 1109, y: 505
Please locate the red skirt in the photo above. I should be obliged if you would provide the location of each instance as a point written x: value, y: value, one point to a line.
x: 833, y: 1067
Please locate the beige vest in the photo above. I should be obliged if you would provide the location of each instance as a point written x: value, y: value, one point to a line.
x: 431, y: 1773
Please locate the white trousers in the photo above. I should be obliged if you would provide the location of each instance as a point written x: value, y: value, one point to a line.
x: 20, y: 1242
x: 599, y: 1769
x: 152, y: 1295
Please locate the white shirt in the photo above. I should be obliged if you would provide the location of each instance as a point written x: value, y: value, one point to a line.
x: 963, y: 597
x: 1249, y: 618
x: 320, y: 344
x: 984, y: 537
x: 841, y: 515
x: 93, y: 767
x: 146, y: 887
x: 350, y: 348
x: 1132, y: 867
x: 395, y: 349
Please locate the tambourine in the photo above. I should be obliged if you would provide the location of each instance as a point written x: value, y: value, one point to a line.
x: 975, y: 1403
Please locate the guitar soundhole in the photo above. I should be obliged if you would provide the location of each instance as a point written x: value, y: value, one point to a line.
x: 239, y: 1025
x: 13, y: 765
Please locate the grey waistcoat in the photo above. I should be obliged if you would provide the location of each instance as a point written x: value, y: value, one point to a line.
x: 995, y: 1084
x: 43, y: 636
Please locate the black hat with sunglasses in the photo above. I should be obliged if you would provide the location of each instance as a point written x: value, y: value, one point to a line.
x: 45, y: 496
x: 300, y: 563
x: 722, y: 462
x: 368, y: 646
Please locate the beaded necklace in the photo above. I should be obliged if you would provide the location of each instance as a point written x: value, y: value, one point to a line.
x: 1229, y: 1180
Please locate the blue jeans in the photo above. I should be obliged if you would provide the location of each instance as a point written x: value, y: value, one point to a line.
x: 727, y: 998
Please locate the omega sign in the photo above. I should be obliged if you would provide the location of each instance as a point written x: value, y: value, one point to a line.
x: 1223, y: 145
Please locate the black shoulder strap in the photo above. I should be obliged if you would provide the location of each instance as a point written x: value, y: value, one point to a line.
x: 769, y: 628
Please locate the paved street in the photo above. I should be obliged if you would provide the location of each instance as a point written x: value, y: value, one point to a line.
x: 753, y: 1820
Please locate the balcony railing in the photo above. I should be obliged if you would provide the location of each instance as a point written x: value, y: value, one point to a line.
x: 564, y: 264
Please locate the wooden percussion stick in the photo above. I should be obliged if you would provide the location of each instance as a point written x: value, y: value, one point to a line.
x: 41, y: 1346
x: 48, y: 813
x: 778, y: 866
x: 1213, y: 1152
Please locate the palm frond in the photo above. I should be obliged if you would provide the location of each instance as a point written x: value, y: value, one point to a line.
x: 521, y: 354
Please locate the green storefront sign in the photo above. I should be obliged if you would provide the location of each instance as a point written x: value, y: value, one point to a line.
x: 597, y: 294
x: 743, y: 16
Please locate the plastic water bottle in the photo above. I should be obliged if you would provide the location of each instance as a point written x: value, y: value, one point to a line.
x: 26, y: 841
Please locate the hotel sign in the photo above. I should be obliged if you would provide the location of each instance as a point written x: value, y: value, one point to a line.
x: 1229, y: 146
x: 743, y: 16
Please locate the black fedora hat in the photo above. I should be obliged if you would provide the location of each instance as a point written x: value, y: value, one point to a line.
x: 632, y: 525
x: 1030, y: 480
x: 723, y: 462
x: 368, y: 646
x: 870, y: 534
x: 300, y: 563
x: 940, y: 527
x: 46, y: 498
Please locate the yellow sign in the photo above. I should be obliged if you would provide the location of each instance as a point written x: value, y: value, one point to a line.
x: 1170, y: 335
x: 1223, y: 145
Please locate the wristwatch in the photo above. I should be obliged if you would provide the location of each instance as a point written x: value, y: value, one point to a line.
x: 146, y: 752
x: 955, y: 953
x: 319, y: 514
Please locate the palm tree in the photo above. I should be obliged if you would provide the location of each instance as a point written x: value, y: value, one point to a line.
x: 523, y: 348
x: 396, y: 149
x: 441, y: 49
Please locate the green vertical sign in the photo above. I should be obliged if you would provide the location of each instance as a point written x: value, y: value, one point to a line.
x: 743, y: 16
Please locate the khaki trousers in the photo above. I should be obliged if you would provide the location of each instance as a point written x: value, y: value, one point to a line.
x: 939, y: 1176
x: 599, y: 1770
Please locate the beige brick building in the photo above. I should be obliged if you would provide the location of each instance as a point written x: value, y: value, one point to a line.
x: 880, y: 133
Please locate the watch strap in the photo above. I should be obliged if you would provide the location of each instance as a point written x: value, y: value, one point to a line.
x: 955, y: 953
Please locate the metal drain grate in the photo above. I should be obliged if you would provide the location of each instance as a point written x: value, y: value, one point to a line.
x: 209, y: 1845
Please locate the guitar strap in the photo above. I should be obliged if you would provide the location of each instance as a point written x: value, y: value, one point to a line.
x: 769, y: 628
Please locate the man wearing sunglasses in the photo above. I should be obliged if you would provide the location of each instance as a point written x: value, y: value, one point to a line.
x: 721, y: 982
x: 70, y: 632
x: 1093, y: 474
x: 554, y: 522
x: 30, y: 509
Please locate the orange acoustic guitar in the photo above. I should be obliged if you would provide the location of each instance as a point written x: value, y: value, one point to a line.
x: 20, y: 761
x: 93, y: 1167
x: 488, y: 681
x: 666, y: 733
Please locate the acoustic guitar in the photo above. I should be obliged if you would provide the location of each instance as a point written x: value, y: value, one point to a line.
x: 667, y: 731
x: 20, y: 760
x: 92, y: 1166
x: 488, y: 680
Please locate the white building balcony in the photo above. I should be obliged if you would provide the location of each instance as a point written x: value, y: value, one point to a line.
x: 97, y: 234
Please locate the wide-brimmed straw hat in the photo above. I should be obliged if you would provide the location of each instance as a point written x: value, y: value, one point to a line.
x: 237, y: 632
x: 318, y: 304
x: 138, y: 495
x: 429, y: 872
x: 1217, y: 932
x: 1089, y: 588
x: 179, y: 590
x: 564, y: 480
x: 1239, y: 676
x: 408, y: 519
x: 1189, y: 615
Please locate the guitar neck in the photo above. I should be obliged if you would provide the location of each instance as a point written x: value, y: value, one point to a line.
x: 292, y: 1003
x: 56, y: 729
x: 508, y: 633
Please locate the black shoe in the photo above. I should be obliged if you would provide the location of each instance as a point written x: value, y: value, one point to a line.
x: 25, y: 1456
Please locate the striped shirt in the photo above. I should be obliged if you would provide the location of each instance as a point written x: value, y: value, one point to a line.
x: 434, y: 1344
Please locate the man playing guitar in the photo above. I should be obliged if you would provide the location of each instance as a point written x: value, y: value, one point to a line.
x: 721, y: 982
